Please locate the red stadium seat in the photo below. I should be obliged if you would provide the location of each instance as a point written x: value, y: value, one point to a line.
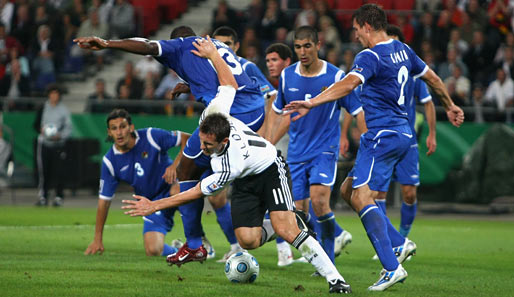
x: 404, y: 4
x: 385, y: 4
x: 345, y: 18
x: 150, y: 19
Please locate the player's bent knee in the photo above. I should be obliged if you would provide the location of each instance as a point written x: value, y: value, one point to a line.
x: 153, y: 250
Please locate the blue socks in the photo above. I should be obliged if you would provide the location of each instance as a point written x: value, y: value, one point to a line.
x: 408, y: 212
x: 381, y: 203
x: 327, y: 224
x: 224, y: 219
x: 374, y: 223
x: 191, y: 214
x: 168, y: 250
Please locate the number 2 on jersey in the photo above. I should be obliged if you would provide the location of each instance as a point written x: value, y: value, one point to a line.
x: 403, y: 76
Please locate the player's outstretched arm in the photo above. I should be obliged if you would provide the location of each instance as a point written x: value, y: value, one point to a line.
x: 454, y: 113
x: 431, y: 120
x: 138, y: 46
x: 141, y: 206
x: 96, y: 246
x: 335, y: 92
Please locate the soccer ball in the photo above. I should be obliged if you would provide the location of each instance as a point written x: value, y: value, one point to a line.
x: 242, y: 267
x: 50, y: 130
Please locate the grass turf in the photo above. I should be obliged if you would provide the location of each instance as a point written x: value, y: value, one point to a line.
x: 41, y: 254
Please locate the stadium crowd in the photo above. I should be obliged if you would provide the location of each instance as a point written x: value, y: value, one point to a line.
x: 469, y: 43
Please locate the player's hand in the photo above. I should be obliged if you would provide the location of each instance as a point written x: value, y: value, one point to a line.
x: 91, y: 43
x: 301, y: 107
x: 431, y: 144
x: 170, y: 175
x: 179, y: 89
x: 139, y: 207
x: 344, y: 144
x: 455, y: 115
x: 94, y: 247
x: 205, y: 48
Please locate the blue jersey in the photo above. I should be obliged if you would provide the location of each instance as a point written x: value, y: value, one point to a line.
x: 319, y: 130
x: 416, y: 90
x: 142, y: 167
x: 384, y: 71
x: 202, y: 77
x: 255, y: 73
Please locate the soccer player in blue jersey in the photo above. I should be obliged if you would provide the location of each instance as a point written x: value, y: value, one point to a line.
x: 314, y: 140
x: 139, y: 158
x: 383, y: 69
x: 247, y: 106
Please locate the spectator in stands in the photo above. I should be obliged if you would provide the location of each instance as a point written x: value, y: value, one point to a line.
x: 273, y: 19
x: 92, y: 27
x: 478, y: 58
x: 149, y: 94
x: 253, y: 13
x: 454, y: 12
x: 42, y: 53
x: 322, y: 9
x: 249, y: 38
x: 147, y: 66
x: 457, y: 43
x: 445, y: 69
x: 224, y: 15
x: 95, y: 100
x: 467, y: 28
x: 402, y: 21
x: 165, y: 91
x: 477, y: 15
x: 6, y: 14
x: 122, y: 22
x: 500, y: 91
x: 23, y: 26
x: 477, y: 99
x: 6, y: 44
x: 333, y: 58
x: 14, y: 85
x: 330, y: 33
x: 431, y: 6
x: 103, y: 8
x: 459, y: 87
x: 500, y: 52
x: 348, y: 56
x: 53, y: 124
x: 307, y: 15
x: 499, y: 15
x: 131, y: 82
x: 424, y: 31
x: 508, y: 62
x: 442, y: 33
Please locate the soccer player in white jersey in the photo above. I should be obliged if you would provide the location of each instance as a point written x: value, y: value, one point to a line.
x: 314, y: 148
x: 260, y: 180
x: 383, y: 69
x: 139, y: 158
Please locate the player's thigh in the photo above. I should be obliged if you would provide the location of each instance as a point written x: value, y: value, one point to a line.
x: 300, y: 182
x: 406, y: 172
x: 249, y: 237
x: 377, y: 155
x: 322, y: 176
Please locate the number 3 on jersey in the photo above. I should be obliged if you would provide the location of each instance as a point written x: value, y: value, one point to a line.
x: 403, y: 76
x: 232, y: 62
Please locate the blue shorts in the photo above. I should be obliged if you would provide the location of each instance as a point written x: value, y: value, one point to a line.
x: 319, y: 171
x: 406, y: 171
x: 162, y: 220
x: 253, y: 119
x: 379, y: 152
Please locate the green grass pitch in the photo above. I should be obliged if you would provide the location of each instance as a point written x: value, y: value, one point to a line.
x: 41, y: 254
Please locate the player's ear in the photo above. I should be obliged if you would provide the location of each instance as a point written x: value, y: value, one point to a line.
x: 225, y: 141
x: 132, y: 128
x: 236, y: 47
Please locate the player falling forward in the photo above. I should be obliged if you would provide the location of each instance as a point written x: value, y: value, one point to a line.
x: 260, y: 179
x: 383, y: 69
x: 248, y: 106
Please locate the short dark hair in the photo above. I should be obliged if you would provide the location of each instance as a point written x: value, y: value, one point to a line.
x: 53, y: 87
x: 216, y: 124
x: 182, y: 31
x: 226, y: 31
x: 371, y: 14
x: 393, y: 30
x: 281, y: 49
x: 306, y: 32
x: 119, y: 113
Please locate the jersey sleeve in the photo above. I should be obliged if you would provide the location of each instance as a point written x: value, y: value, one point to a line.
x: 365, y: 65
x: 162, y: 139
x: 419, y: 68
x: 108, y: 181
x: 421, y: 91
x: 265, y: 86
x: 351, y: 102
x: 215, y: 182
x: 280, y: 102
x: 167, y: 50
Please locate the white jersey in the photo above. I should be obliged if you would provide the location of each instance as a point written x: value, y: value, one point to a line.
x: 245, y: 154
